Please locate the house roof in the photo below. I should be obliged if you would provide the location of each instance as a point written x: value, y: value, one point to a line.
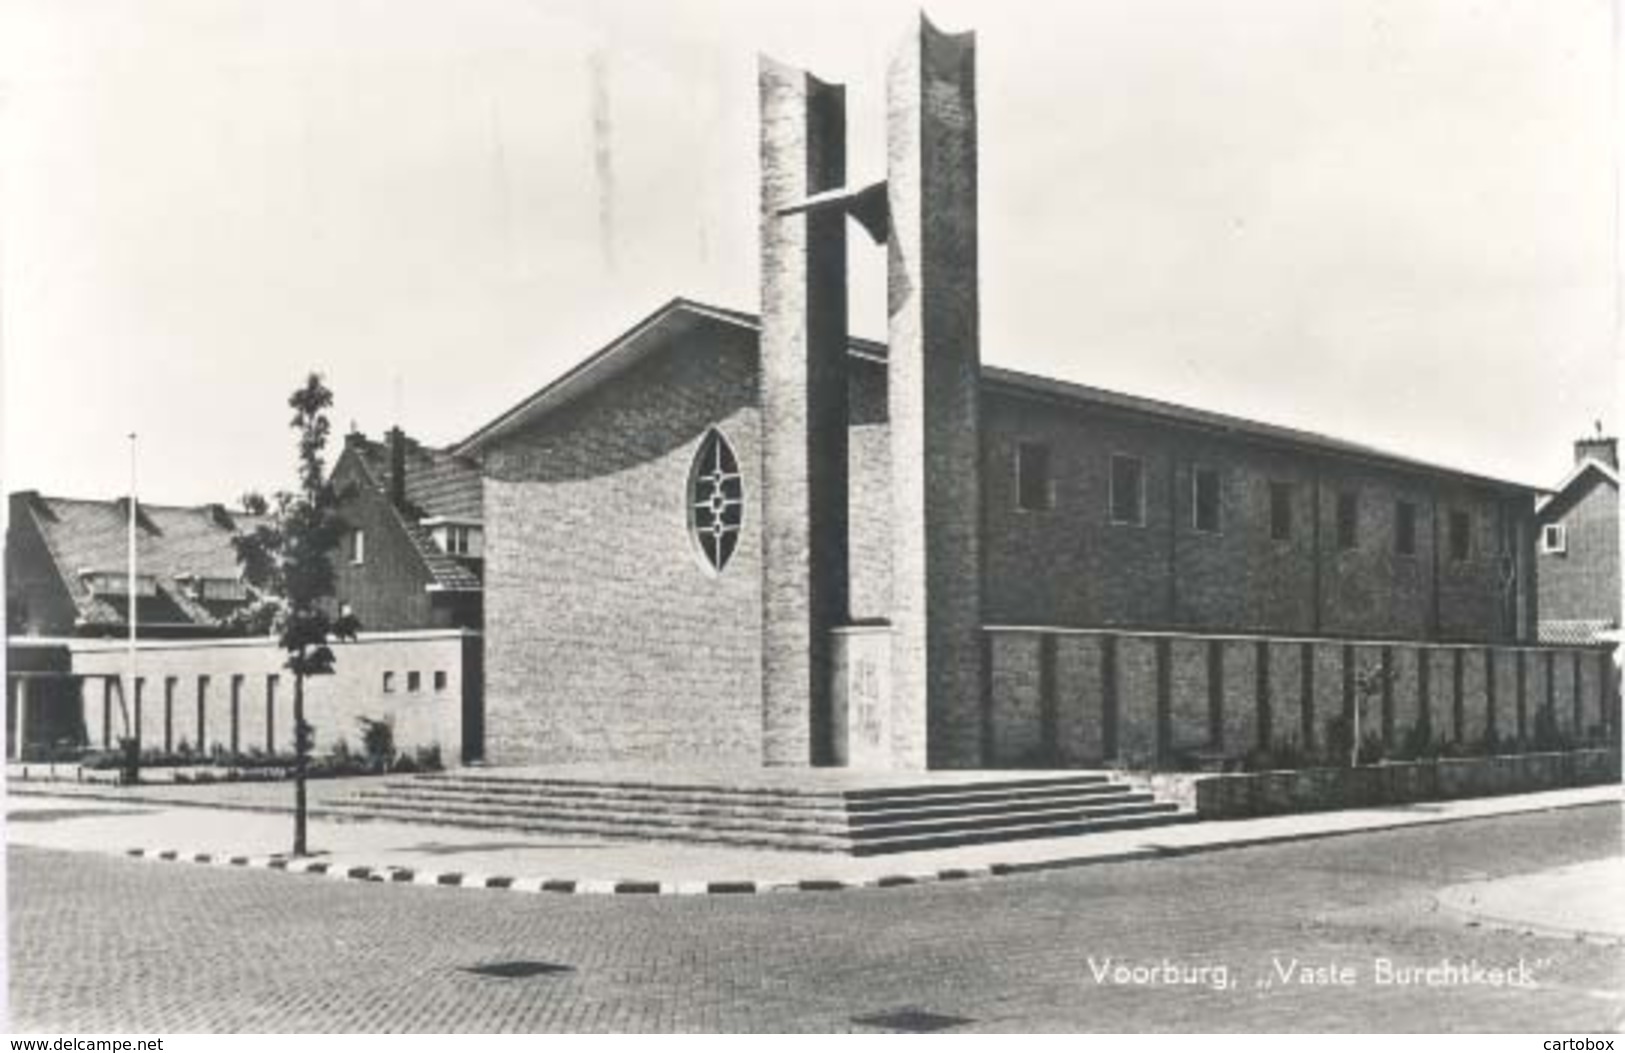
x: 680, y: 314
x: 1582, y: 472
x: 172, y: 543
x: 439, y: 484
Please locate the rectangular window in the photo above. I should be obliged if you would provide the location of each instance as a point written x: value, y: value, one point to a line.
x: 358, y: 547
x: 439, y: 679
x: 1205, y: 500
x: 236, y: 713
x: 389, y: 683
x: 1348, y: 521
x: 1554, y: 538
x: 1405, y: 528
x: 1280, y: 511
x: 1461, y: 536
x: 1032, y: 477
x: 414, y: 680
x: 1128, y: 490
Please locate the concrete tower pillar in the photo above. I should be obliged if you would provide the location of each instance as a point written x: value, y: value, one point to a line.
x: 804, y: 410
x: 933, y: 374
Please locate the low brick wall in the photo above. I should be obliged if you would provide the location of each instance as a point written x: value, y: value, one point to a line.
x: 1059, y: 697
x: 1243, y: 796
x: 235, y: 694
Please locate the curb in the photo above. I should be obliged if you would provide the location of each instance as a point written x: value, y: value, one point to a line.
x: 734, y: 887
x: 560, y: 886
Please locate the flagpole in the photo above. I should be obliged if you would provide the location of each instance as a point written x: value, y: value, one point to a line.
x: 130, y: 587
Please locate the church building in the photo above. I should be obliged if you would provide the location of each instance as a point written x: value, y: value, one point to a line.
x: 746, y: 539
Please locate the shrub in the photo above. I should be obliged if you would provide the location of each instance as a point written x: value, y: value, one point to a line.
x: 378, y: 740
x: 1548, y: 736
x: 428, y: 758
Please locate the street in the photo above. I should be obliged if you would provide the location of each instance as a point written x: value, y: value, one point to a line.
x: 101, y: 943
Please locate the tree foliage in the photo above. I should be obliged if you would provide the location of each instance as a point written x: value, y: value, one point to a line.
x: 287, y: 559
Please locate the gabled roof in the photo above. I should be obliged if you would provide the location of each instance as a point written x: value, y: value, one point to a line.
x: 1582, y: 472
x: 679, y: 314
x: 172, y: 543
x: 438, y: 484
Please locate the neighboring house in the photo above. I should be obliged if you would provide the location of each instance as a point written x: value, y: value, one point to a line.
x: 1579, y: 547
x: 416, y: 664
x: 67, y: 568
x: 413, y: 556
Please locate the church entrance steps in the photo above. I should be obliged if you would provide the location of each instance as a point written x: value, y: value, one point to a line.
x: 820, y: 811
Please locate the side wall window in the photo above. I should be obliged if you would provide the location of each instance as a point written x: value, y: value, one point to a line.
x: 1034, y: 492
x: 1280, y: 511
x: 1128, y: 490
x: 1348, y: 520
x: 1207, y: 501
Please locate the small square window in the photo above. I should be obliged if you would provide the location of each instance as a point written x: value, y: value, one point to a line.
x: 439, y: 679
x: 1280, y: 511
x: 1033, y: 491
x: 389, y: 683
x: 1405, y: 528
x: 414, y: 680
x: 1554, y: 538
x: 1348, y: 520
x: 1461, y: 536
x: 1206, y: 500
x: 1128, y: 490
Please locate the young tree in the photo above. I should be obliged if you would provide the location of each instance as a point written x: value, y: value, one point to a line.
x: 287, y: 562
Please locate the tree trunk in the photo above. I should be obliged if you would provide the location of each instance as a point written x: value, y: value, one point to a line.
x: 299, y: 758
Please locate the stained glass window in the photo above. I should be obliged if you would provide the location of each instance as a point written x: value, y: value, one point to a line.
x: 716, y: 500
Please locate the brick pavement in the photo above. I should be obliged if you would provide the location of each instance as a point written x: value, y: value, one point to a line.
x: 103, y: 943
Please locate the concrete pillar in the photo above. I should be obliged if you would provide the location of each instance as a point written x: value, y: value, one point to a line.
x: 21, y: 737
x: 933, y: 374
x: 804, y: 411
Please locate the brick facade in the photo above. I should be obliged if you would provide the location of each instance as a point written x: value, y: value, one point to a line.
x: 607, y: 635
x: 1070, y: 564
x: 1583, y: 581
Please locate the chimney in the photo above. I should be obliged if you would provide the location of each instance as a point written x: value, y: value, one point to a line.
x: 1598, y: 447
x: 397, y: 467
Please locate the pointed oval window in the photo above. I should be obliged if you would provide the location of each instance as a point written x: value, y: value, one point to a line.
x: 716, y: 500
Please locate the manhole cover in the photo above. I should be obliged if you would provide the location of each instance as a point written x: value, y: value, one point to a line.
x: 516, y: 970
x: 51, y: 815
x: 911, y: 1020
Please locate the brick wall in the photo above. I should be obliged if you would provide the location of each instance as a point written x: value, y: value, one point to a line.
x: 240, y: 711
x: 387, y: 590
x: 1583, y: 582
x: 608, y: 638
x: 1071, y: 565
x: 1146, y: 698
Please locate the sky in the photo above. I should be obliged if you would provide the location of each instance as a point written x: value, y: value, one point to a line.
x: 1394, y: 221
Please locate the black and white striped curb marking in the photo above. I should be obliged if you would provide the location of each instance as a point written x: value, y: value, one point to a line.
x: 567, y: 886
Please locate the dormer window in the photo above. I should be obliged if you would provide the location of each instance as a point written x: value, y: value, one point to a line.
x: 117, y: 583
x: 456, y: 538
x: 220, y: 590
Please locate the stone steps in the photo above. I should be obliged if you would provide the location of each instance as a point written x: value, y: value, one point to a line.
x: 860, y: 820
